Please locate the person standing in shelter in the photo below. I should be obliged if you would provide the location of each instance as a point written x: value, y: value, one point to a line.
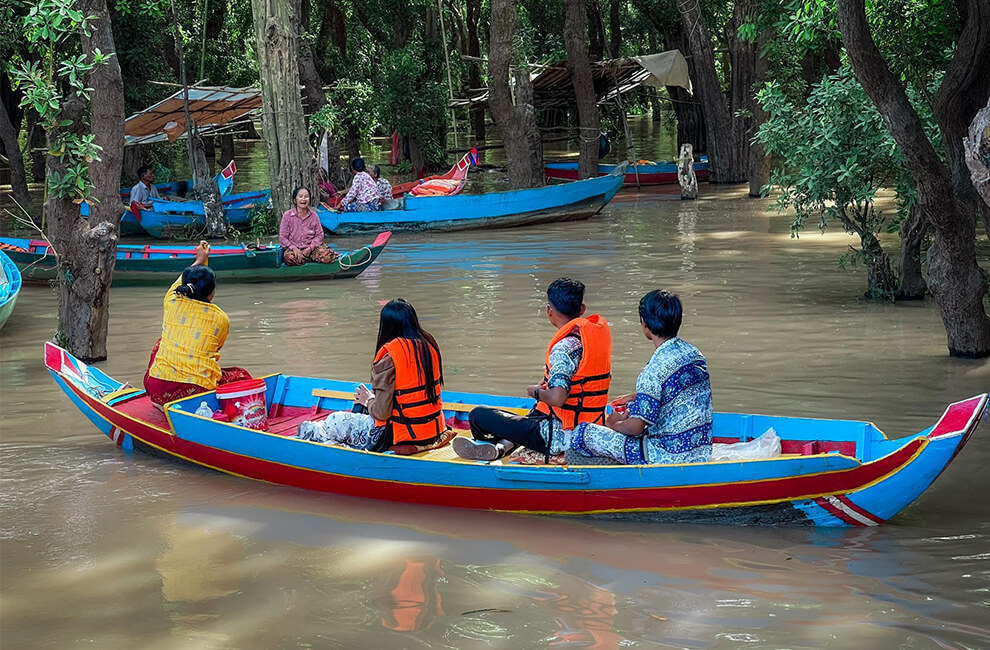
x: 145, y: 190
x: 669, y: 417
x: 384, y: 187
x: 363, y: 195
x: 301, y: 233
x: 186, y: 359
x: 404, y: 407
x: 574, y: 388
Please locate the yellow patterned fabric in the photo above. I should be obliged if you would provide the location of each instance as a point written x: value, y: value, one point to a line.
x: 192, y: 334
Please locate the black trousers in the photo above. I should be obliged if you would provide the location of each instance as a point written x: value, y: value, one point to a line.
x: 492, y: 425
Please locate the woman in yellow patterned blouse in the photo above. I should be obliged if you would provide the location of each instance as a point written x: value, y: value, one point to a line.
x: 186, y: 359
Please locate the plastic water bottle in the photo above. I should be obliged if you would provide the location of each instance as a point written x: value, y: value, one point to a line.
x: 204, y: 410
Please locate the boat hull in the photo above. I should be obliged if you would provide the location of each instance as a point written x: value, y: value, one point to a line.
x: 153, y: 265
x: 554, y: 203
x: 822, y: 489
x: 167, y: 218
x: 10, y: 289
x: 664, y: 174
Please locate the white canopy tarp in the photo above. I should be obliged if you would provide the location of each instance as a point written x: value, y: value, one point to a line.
x: 666, y: 69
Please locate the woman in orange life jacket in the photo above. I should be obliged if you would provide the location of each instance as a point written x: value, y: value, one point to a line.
x: 404, y: 408
x: 574, y: 387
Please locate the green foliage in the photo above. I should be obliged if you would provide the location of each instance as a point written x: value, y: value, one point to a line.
x: 350, y: 101
x: 52, y: 79
x: 834, y: 154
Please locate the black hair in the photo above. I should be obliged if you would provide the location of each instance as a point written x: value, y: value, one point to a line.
x: 662, y: 312
x: 566, y: 296
x: 198, y: 282
x: 376, y: 171
x: 296, y: 191
x: 358, y: 164
x: 398, y: 320
x: 141, y: 170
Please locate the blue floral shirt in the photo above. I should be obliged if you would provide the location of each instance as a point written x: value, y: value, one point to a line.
x: 674, y: 399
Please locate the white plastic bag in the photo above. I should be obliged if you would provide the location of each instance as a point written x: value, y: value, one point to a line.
x: 766, y: 446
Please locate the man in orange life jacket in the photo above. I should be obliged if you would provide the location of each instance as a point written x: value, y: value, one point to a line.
x: 574, y: 387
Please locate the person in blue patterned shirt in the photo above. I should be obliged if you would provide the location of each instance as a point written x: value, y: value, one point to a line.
x: 669, y: 417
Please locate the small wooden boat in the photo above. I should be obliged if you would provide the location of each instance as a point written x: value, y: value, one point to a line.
x: 663, y: 173
x: 562, y: 202
x: 155, y: 265
x: 174, y: 217
x: 831, y: 473
x: 10, y: 286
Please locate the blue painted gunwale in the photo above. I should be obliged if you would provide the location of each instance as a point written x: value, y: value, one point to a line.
x: 659, y: 174
x: 910, y: 463
x: 166, y: 215
x: 560, y: 202
x: 10, y: 289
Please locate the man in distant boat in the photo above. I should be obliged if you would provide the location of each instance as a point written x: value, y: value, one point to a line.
x: 669, y: 417
x: 145, y: 190
x: 574, y: 389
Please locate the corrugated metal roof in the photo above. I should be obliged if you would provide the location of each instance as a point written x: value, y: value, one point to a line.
x: 210, y: 107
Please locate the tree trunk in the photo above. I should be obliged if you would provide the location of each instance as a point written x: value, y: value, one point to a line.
x: 686, y: 176
x: 225, y: 143
x: 87, y: 250
x: 205, y: 188
x: 133, y: 159
x: 615, y: 28
x: 596, y: 33
x: 880, y: 282
x: 728, y: 150
x: 759, y: 161
x: 36, y: 147
x: 977, y: 150
x: 911, y: 283
x: 516, y: 120
x: 12, y: 149
x: 954, y: 278
x: 584, y: 88
x: 474, y: 67
x: 290, y: 158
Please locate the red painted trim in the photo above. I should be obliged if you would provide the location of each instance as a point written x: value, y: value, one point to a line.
x: 858, y: 510
x: 825, y: 505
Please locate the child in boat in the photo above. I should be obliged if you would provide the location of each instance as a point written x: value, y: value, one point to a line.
x: 574, y: 389
x: 301, y: 233
x: 404, y: 409
x: 186, y: 358
x: 669, y: 417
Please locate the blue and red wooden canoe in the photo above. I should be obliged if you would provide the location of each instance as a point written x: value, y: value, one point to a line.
x: 831, y: 473
x: 664, y: 173
x: 552, y: 203
x: 10, y: 286
x: 158, y: 265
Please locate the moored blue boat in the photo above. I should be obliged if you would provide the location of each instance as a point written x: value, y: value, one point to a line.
x: 561, y: 202
x: 832, y: 472
x: 10, y: 286
x: 663, y: 173
x: 169, y: 216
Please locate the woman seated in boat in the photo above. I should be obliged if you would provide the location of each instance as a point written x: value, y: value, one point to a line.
x: 669, y: 417
x: 363, y: 195
x: 186, y: 359
x: 301, y: 233
x: 404, y: 408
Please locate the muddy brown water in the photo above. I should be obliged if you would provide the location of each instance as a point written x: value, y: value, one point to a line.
x: 100, y: 548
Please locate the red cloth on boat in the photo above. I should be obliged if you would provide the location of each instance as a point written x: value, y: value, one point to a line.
x: 396, y: 154
x: 162, y: 392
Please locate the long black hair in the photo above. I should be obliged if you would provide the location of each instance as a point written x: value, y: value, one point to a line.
x: 198, y: 282
x: 398, y: 320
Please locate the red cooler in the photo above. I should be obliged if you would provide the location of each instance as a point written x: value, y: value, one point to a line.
x: 243, y: 402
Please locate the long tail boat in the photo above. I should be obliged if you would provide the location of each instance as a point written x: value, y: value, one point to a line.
x: 563, y: 202
x: 152, y: 265
x: 831, y: 472
x: 10, y: 286
x: 663, y: 173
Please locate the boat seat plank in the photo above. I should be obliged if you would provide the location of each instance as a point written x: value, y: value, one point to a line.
x: 456, y: 407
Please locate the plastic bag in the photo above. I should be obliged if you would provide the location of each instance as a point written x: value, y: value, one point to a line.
x: 766, y: 446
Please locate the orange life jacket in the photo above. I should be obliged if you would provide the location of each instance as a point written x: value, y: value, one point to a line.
x: 414, y: 416
x: 589, y: 385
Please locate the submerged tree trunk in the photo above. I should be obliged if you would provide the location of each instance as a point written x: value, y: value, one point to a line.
x: 516, y: 120
x: 686, y: 176
x: 911, y: 283
x: 584, y: 88
x: 615, y: 28
x: 290, y: 159
x: 954, y: 277
x: 205, y: 188
x: 12, y: 150
x: 86, y: 250
x: 225, y: 144
x: 977, y: 149
x: 474, y: 67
